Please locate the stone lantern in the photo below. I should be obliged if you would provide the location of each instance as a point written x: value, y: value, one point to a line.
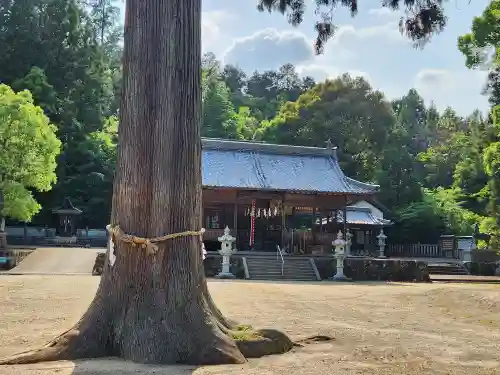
x: 226, y: 251
x: 340, y: 255
x: 381, y: 243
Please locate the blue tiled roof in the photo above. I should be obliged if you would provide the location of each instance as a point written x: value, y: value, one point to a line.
x: 360, y: 216
x: 271, y: 167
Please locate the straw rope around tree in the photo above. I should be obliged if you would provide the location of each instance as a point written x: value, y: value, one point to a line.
x: 149, y: 244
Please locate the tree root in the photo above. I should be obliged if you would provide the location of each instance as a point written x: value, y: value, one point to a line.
x: 251, y: 344
x: 68, y: 346
x: 265, y: 342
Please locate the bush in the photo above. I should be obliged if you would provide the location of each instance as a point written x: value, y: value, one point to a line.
x: 376, y: 270
x: 481, y: 268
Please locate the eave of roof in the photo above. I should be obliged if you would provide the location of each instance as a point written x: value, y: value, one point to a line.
x: 272, y: 167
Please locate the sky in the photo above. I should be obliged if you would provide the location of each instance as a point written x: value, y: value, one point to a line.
x: 368, y: 45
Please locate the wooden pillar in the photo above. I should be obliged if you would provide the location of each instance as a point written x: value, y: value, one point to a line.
x: 235, y: 222
x: 345, y: 215
x: 313, y: 229
x: 283, y: 221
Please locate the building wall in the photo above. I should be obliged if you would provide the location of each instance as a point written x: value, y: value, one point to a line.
x: 374, y: 210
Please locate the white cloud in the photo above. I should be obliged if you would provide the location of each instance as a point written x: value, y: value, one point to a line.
x: 387, y: 32
x: 383, y: 12
x: 446, y: 87
x: 268, y: 49
x: 211, y: 32
x: 431, y: 81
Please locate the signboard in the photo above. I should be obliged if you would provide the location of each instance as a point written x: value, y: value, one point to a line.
x: 447, y: 244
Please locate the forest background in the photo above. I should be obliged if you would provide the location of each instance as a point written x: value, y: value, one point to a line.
x: 438, y: 172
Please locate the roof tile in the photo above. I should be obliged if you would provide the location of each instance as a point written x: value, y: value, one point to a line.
x: 276, y: 168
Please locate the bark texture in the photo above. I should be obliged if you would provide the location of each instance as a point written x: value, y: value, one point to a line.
x: 157, y: 308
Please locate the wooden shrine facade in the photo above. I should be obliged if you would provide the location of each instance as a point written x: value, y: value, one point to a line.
x: 261, y: 192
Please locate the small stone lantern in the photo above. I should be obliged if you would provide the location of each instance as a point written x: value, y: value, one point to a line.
x: 226, y: 251
x: 339, y: 255
x: 381, y: 243
x: 348, y: 242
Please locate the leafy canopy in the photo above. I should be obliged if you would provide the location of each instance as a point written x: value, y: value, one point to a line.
x: 29, y: 148
x: 422, y: 19
x: 482, y: 45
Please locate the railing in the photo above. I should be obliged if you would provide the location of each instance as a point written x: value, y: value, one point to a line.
x: 415, y: 250
x: 280, y: 254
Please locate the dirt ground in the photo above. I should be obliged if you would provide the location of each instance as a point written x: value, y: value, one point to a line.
x: 381, y: 329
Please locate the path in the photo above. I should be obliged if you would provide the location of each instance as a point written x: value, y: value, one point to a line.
x: 58, y: 261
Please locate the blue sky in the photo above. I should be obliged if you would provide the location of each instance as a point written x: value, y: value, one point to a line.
x: 369, y: 45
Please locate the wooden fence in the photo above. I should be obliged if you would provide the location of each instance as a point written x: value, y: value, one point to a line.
x: 39, y: 236
x: 414, y: 251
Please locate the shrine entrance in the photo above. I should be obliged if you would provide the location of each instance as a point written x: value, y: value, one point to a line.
x: 66, y: 218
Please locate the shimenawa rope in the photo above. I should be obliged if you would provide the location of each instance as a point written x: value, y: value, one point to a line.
x: 117, y: 234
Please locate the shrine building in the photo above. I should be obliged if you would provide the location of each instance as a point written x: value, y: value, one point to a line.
x: 292, y: 196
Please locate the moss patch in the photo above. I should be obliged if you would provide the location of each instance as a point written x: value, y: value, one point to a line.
x: 244, y: 332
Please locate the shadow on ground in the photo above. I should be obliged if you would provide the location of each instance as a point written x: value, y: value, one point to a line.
x: 324, y: 283
x: 113, y: 366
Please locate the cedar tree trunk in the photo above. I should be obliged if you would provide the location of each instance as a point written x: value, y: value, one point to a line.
x: 157, y: 308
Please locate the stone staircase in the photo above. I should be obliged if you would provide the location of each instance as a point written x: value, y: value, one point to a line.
x: 447, y: 269
x: 269, y: 268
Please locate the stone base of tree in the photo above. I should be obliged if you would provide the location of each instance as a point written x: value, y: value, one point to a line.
x: 229, y: 346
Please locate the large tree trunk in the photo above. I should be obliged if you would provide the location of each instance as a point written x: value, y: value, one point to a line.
x: 156, y: 308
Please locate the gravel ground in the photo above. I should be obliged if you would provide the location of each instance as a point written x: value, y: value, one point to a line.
x: 378, y: 329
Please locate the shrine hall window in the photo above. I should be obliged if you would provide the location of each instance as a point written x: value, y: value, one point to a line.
x: 213, y: 219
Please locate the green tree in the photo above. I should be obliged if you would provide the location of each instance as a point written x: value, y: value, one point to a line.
x: 28, y: 158
x: 396, y: 173
x: 219, y: 115
x: 482, y: 45
x: 71, y: 75
x: 491, y: 160
x: 346, y: 110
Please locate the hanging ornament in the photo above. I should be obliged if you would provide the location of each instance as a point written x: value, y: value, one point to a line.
x: 258, y: 212
x: 275, y: 210
x: 269, y: 212
x: 264, y: 213
x: 252, y: 225
x: 252, y: 212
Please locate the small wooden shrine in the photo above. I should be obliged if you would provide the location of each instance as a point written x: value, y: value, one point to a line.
x: 66, y: 219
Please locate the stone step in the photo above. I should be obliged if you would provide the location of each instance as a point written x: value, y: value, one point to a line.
x: 266, y: 268
x: 254, y: 267
x: 447, y: 269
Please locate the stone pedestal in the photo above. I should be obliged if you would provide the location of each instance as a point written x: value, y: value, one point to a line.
x: 340, y: 256
x: 226, y: 251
